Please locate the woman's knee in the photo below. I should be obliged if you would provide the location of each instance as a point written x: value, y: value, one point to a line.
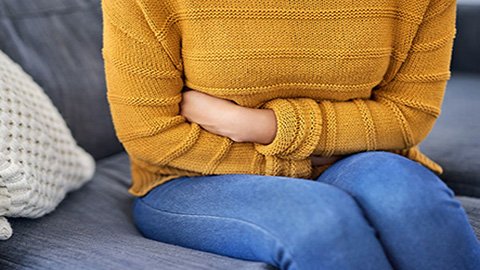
x: 330, y: 228
x: 392, y: 184
x: 326, y: 215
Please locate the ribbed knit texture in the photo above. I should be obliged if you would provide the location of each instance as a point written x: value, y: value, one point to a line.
x: 341, y: 77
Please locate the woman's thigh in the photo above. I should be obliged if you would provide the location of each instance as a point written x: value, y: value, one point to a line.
x: 287, y: 222
x: 420, y: 223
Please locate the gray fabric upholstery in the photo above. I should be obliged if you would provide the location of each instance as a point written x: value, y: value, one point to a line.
x: 454, y: 140
x: 58, y: 43
x: 92, y: 229
x: 466, y: 54
x: 472, y: 207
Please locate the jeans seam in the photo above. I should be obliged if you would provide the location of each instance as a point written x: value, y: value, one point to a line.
x: 260, y: 228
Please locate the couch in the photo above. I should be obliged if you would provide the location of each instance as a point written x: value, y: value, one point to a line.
x: 58, y: 42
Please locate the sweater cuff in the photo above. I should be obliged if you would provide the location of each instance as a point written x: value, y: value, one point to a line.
x: 299, y: 125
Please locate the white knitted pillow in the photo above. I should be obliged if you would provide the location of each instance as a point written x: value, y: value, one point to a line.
x: 39, y: 159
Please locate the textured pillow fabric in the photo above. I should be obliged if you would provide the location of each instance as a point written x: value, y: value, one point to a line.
x: 55, y: 41
x: 39, y: 159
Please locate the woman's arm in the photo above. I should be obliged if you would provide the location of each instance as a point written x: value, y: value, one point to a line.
x: 226, y: 118
x: 399, y: 115
x: 144, y: 90
x: 241, y: 124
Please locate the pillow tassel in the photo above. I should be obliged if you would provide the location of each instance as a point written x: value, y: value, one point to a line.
x: 5, y: 229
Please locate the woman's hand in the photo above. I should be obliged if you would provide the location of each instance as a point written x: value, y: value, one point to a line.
x: 226, y: 118
x: 214, y: 114
x: 241, y: 124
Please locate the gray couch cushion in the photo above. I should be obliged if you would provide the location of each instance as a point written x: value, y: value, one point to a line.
x: 466, y: 48
x: 454, y: 140
x: 93, y: 229
x: 472, y: 207
x: 58, y: 43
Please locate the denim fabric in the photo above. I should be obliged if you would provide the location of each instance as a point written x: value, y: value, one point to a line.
x: 370, y: 210
x: 58, y: 42
x: 93, y: 229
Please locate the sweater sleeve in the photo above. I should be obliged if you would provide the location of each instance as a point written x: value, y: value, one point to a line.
x: 398, y: 115
x: 144, y: 84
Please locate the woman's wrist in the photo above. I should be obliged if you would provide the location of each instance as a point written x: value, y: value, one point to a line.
x: 253, y: 125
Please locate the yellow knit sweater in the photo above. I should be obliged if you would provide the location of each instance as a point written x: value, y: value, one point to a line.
x: 341, y: 77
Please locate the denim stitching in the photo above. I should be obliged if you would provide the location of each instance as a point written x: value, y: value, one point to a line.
x: 275, y: 238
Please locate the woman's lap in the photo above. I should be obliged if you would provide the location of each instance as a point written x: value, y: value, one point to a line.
x: 414, y: 211
x: 287, y: 222
x: 332, y: 223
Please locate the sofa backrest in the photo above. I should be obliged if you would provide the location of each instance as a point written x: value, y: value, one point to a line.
x: 466, y: 49
x: 58, y: 42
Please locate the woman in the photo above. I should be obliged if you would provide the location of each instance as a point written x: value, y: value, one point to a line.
x: 287, y: 132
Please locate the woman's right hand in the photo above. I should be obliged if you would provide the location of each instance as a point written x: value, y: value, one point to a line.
x: 321, y: 160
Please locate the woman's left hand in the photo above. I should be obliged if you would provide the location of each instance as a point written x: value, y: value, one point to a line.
x: 226, y: 118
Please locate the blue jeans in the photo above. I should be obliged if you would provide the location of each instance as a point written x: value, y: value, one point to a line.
x: 369, y: 210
